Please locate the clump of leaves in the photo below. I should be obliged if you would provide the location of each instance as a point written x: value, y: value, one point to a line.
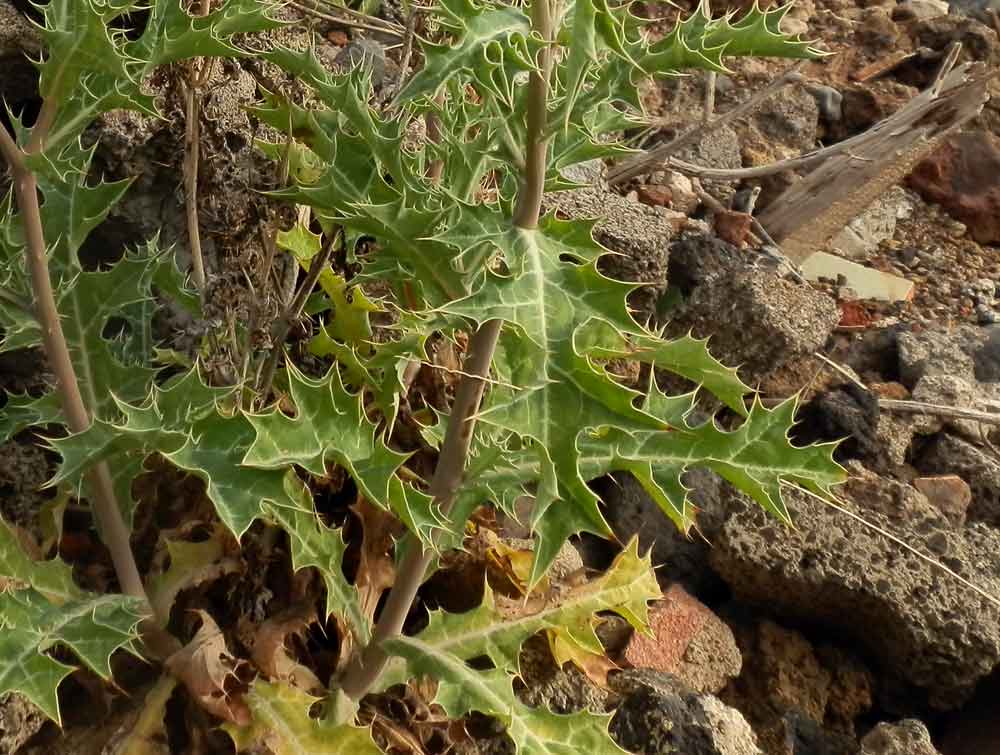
x: 454, y: 227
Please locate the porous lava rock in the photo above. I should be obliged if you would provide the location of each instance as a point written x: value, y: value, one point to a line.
x: 923, y: 625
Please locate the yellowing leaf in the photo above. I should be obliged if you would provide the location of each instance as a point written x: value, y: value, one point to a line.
x: 148, y: 736
x: 191, y: 564
x: 595, y: 665
x: 280, y: 720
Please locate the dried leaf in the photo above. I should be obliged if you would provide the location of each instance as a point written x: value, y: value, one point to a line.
x: 270, y: 652
x: 377, y: 568
x: 205, y: 665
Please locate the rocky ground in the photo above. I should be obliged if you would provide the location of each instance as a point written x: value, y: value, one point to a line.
x: 873, y: 629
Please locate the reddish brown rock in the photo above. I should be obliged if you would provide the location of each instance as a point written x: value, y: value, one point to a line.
x: 338, y: 38
x: 950, y: 494
x: 733, y: 227
x: 798, y: 698
x: 889, y: 390
x: 689, y: 641
x: 657, y: 196
x: 963, y: 176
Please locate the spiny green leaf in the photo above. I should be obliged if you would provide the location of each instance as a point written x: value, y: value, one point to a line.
x: 556, y: 386
x: 171, y: 34
x: 79, y: 43
x: 52, y: 578
x: 331, y: 426
x: 492, y: 44
x: 688, y: 357
x: 188, y: 423
x: 281, y: 722
x: 755, y: 457
x: 24, y: 411
x: 379, y: 371
x: 757, y: 32
x: 534, y: 731
x: 450, y: 641
x: 626, y: 588
x: 93, y: 627
x: 314, y: 544
x: 214, y: 452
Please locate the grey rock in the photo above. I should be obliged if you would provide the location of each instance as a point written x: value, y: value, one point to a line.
x: 939, y: 352
x: 367, y: 54
x: 908, y: 737
x: 660, y: 715
x: 717, y: 148
x: 862, y: 236
x: 899, y: 502
x: 945, y: 390
x: 986, y: 315
x: 924, y: 626
x: 697, y: 256
x: 947, y: 454
x: 804, y: 736
x: 788, y: 121
x: 19, y: 722
x: 17, y: 34
x: 978, y: 9
x: 561, y: 690
x: 640, y: 235
x: 799, y: 699
x: 924, y: 9
x: 828, y: 100
x: 986, y: 355
x: 680, y: 558
x: 845, y: 413
x: 757, y: 320
x: 589, y: 172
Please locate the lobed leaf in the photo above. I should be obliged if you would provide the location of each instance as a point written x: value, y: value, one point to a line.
x: 316, y: 545
x: 282, y: 723
x: 330, y: 425
x: 443, y: 651
x: 53, y: 579
x: 92, y: 626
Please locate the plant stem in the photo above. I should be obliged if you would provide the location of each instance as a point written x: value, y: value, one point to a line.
x: 366, y: 669
x: 364, y: 672
x: 529, y: 200
x: 104, y: 504
x: 197, y: 77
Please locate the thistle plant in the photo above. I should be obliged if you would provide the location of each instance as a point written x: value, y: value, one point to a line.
x: 453, y: 225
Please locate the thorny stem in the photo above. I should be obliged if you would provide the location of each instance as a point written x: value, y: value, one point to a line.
x: 444, y: 486
x: 104, y: 504
x: 192, y: 154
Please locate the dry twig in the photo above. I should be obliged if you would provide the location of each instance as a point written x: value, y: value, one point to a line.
x: 656, y: 157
